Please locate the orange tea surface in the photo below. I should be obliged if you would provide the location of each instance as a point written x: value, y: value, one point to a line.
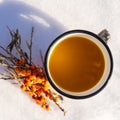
x: 76, y: 64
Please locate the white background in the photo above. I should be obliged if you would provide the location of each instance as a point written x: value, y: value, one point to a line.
x: 51, y: 18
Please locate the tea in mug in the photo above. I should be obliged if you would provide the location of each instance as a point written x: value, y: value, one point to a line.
x: 76, y: 64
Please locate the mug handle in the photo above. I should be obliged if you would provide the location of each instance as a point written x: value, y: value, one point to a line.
x: 104, y: 35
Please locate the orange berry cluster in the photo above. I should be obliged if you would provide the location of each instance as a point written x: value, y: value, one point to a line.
x: 34, y: 82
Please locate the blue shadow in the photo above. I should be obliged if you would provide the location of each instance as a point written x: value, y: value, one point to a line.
x: 19, y: 15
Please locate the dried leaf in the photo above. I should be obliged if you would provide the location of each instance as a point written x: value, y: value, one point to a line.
x: 11, y: 33
x: 11, y: 45
x: 28, y: 45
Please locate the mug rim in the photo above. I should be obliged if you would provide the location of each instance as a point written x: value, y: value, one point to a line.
x: 51, y: 81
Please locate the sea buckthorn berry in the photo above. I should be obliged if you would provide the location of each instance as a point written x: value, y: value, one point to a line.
x: 37, y: 101
x: 33, y: 77
x: 47, y: 107
x: 43, y: 106
x: 23, y: 87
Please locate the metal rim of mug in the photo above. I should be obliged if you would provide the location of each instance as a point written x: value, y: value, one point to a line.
x: 46, y: 68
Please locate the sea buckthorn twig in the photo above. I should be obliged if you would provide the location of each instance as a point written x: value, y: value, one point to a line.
x: 31, y: 78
